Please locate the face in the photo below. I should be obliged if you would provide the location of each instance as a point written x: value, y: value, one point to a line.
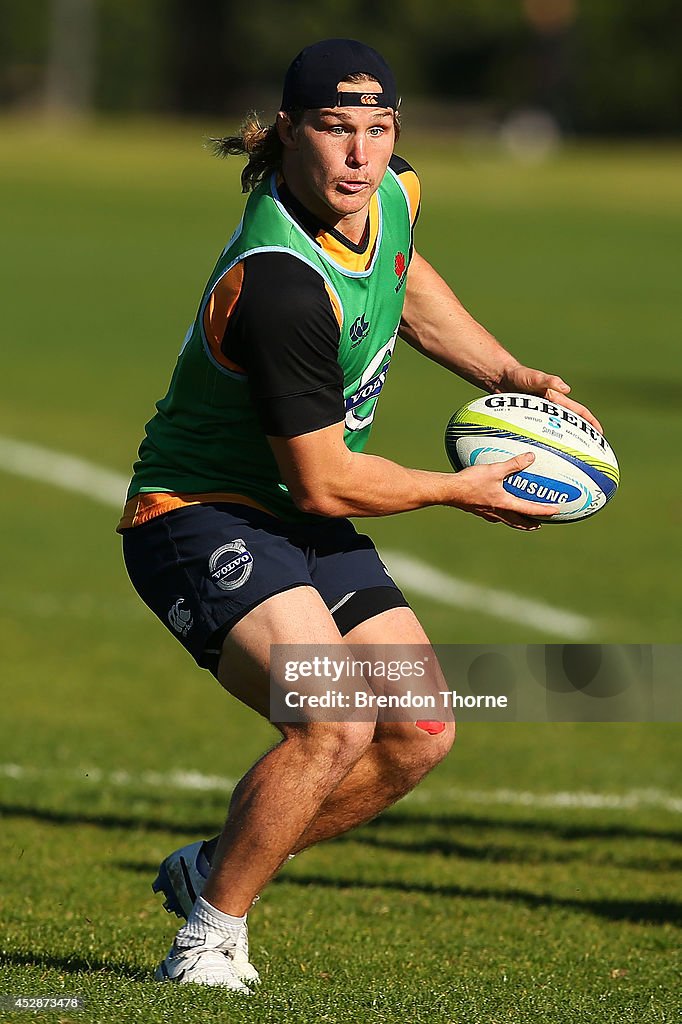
x: 335, y: 159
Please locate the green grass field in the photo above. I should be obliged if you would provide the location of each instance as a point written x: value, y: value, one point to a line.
x: 480, y: 899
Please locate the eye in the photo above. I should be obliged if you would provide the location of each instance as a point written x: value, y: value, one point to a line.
x: 337, y: 129
x: 376, y: 131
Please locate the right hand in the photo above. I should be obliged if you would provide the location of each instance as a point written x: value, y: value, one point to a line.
x: 480, y: 491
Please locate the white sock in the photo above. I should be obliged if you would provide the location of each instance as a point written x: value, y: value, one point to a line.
x: 207, y: 922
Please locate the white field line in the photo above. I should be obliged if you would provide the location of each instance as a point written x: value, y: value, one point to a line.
x: 423, y: 579
x: 69, y: 472
x: 632, y: 800
x: 195, y: 781
x: 108, y: 487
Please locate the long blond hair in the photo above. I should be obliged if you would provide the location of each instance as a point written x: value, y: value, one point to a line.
x: 262, y: 145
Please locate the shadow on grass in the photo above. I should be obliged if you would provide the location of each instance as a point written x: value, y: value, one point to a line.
x: 392, y: 819
x: 380, y: 835
x: 384, y: 834
x: 650, y: 912
x: 137, y: 867
x: 556, y: 829
x: 121, y: 821
x: 76, y: 965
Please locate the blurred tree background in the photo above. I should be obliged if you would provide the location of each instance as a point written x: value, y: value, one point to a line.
x: 596, y: 66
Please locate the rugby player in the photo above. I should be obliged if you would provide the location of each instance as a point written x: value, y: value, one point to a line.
x: 235, y: 530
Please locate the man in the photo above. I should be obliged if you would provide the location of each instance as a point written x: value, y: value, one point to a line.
x: 235, y: 531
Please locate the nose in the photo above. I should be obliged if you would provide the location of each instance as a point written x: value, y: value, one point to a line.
x: 357, y: 155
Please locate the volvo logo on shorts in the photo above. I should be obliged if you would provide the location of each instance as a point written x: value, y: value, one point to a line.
x: 230, y: 565
x: 180, y: 618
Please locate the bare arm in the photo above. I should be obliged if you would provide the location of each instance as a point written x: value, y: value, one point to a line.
x: 325, y: 477
x: 435, y: 323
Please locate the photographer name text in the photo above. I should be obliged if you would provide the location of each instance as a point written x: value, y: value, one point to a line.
x: 449, y: 699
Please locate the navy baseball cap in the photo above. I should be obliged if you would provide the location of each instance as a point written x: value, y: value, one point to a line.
x: 313, y: 76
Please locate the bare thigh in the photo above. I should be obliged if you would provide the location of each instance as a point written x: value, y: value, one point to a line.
x: 400, y: 628
x: 297, y: 616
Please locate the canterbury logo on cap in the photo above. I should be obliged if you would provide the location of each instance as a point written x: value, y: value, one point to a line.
x: 363, y: 99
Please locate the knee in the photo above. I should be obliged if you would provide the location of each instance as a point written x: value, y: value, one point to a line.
x: 414, y: 749
x: 432, y: 744
x: 340, y: 744
x: 350, y: 740
x: 435, y: 740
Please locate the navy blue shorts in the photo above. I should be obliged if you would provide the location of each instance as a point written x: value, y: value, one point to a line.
x: 204, y: 567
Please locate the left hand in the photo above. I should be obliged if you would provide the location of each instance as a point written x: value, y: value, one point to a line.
x: 545, y: 385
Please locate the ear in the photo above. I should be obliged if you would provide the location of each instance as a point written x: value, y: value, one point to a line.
x: 286, y: 130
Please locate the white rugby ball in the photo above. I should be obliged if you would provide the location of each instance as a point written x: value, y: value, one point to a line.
x: 574, y: 467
